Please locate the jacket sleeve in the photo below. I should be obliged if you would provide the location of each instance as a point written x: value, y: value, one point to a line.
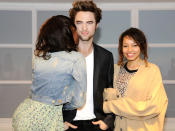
x: 110, y: 117
x: 110, y: 71
x: 145, y: 109
x: 78, y: 86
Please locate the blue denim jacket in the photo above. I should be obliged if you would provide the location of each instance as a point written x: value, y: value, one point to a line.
x: 60, y: 80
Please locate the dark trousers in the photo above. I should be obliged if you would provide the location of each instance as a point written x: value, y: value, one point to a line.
x: 85, y: 125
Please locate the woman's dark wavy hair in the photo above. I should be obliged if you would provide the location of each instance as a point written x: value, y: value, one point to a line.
x: 139, y: 37
x: 55, y: 35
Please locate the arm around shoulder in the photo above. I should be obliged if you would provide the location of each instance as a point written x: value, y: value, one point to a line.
x: 80, y: 76
x: 78, y: 85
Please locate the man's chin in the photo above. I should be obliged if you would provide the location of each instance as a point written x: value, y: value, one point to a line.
x: 84, y: 39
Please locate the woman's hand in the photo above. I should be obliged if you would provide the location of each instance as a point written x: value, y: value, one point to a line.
x: 68, y: 125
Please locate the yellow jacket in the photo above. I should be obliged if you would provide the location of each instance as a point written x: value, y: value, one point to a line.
x: 145, y: 102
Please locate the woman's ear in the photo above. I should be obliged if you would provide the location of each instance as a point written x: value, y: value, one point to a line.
x: 75, y: 35
x: 76, y: 38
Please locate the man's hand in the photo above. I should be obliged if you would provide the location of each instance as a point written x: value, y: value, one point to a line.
x: 68, y: 125
x: 101, y: 124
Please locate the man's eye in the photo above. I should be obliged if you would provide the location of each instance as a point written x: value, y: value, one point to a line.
x: 78, y: 22
x: 90, y: 22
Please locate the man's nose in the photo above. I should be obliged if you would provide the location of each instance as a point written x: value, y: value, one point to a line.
x: 84, y: 26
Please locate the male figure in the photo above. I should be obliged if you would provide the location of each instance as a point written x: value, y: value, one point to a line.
x: 99, y: 63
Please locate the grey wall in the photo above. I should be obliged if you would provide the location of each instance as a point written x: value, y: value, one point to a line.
x: 17, y: 34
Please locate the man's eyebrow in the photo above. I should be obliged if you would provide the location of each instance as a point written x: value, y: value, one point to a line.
x: 90, y: 21
x: 78, y: 20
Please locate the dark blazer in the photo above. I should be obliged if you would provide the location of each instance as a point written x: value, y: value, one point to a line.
x: 103, y: 78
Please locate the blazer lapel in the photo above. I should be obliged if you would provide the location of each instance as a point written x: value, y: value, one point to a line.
x: 96, y: 69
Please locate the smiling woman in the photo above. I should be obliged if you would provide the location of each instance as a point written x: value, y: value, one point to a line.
x: 138, y: 98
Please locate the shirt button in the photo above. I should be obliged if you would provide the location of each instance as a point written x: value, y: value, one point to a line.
x: 118, y: 96
x: 59, y: 101
x: 53, y: 101
x: 81, y: 94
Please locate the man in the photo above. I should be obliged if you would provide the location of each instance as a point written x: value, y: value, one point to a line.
x: 99, y: 63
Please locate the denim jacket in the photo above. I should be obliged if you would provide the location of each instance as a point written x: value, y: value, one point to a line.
x: 60, y: 80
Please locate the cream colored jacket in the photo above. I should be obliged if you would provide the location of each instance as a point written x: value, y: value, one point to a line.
x: 145, y: 102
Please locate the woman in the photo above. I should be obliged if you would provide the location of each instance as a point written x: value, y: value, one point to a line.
x: 138, y: 99
x: 59, y: 77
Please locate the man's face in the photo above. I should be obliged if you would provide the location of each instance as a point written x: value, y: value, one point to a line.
x: 86, y: 25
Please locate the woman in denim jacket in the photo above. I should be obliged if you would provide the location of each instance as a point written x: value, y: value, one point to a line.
x: 59, y: 77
